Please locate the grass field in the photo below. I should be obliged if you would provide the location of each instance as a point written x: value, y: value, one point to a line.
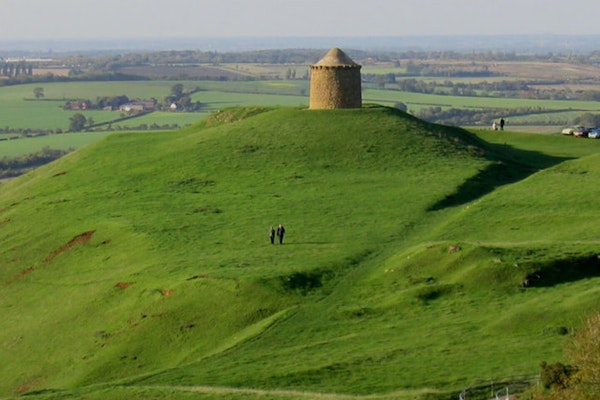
x: 19, y: 111
x: 140, y: 267
x: 415, y: 101
x: 21, y: 146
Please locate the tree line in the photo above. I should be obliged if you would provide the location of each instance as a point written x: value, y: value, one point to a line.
x: 84, y: 64
x: 505, y: 89
x: 471, y: 117
x: 11, y: 167
x: 465, y: 117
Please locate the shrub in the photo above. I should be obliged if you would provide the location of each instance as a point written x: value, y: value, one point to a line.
x: 555, y: 375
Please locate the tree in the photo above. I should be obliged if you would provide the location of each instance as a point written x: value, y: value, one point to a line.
x: 401, y: 106
x: 555, y: 376
x: 584, y: 353
x: 581, y: 380
x: 177, y: 90
x: 38, y: 92
x: 185, y: 102
x: 78, y: 122
x: 588, y: 119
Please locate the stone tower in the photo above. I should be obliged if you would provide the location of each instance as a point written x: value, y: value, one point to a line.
x: 335, y: 82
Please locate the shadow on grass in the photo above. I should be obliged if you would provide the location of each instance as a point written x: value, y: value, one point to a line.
x: 304, y: 243
x: 563, y: 271
x: 509, y: 165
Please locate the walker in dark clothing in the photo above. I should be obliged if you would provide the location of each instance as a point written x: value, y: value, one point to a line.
x: 272, y: 235
x: 280, y: 233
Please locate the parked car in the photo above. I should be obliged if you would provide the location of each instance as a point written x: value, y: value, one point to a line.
x: 570, y: 130
x: 581, y: 132
x: 594, y: 133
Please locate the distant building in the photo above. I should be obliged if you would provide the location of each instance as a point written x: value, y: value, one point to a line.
x: 138, y: 106
x: 131, y: 108
x: 335, y: 82
x: 79, y: 105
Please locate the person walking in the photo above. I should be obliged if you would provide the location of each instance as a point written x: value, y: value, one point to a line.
x: 501, y: 124
x: 272, y: 235
x: 280, y: 233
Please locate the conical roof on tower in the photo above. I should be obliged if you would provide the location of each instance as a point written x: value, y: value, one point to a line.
x: 336, y: 58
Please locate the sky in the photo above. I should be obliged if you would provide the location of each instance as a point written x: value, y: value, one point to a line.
x: 113, y: 19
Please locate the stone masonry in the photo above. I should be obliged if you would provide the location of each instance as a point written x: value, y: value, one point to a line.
x: 335, y: 82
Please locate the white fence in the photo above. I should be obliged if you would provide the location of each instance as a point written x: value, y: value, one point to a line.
x: 501, y: 390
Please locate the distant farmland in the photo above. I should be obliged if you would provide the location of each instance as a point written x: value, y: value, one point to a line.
x: 532, y: 96
x: 199, y: 72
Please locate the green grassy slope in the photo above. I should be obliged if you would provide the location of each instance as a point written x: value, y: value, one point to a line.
x: 140, y: 266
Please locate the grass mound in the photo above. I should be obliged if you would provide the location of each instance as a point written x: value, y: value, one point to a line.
x: 141, y: 265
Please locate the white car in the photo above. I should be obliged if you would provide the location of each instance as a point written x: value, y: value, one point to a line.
x: 594, y: 133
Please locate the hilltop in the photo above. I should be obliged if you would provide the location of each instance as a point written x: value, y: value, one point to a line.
x: 419, y: 259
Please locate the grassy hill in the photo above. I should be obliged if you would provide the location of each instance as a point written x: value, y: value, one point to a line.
x: 419, y: 260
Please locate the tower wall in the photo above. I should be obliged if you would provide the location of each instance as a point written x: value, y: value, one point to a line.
x: 334, y: 87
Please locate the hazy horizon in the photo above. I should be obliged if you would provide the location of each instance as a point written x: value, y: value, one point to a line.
x: 136, y: 19
x: 524, y: 44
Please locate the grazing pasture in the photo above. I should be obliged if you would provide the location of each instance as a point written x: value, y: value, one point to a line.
x: 65, y: 141
x: 420, y: 260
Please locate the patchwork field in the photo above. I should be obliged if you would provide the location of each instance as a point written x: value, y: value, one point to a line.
x: 221, y: 85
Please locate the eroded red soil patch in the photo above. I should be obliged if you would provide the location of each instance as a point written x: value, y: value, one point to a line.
x: 79, y: 239
x: 20, y: 275
x: 26, y: 387
x: 123, y: 285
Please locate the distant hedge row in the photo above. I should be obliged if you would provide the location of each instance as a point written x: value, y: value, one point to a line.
x: 14, y: 166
